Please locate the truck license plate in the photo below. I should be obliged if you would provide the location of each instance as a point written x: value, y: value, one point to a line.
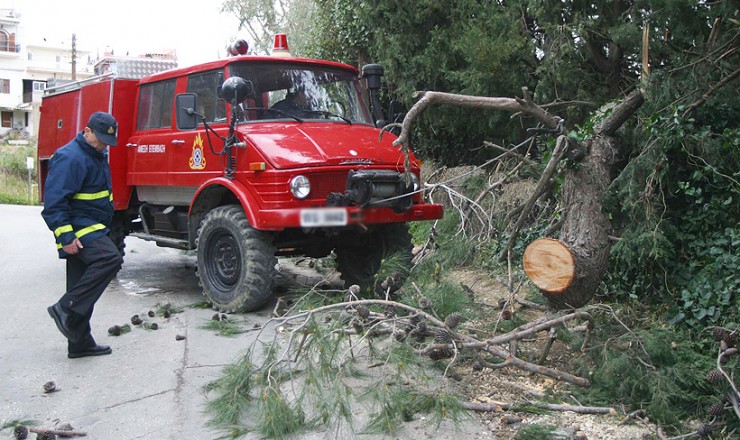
x: 321, y: 217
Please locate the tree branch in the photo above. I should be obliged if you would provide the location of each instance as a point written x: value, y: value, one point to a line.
x: 557, y: 154
x: 427, y: 99
x: 726, y: 80
x: 620, y: 114
x: 498, y: 406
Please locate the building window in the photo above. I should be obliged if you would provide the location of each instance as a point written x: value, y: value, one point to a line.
x: 27, y: 114
x: 39, y: 86
x: 7, y: 118
x: 4, y: 42
x: 59, y: 58
x: 30, y: 56
x: 4, y: 85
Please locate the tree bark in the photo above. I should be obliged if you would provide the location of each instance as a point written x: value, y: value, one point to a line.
x: 586, y: 228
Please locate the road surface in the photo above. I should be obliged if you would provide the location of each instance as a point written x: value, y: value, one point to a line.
x: 152, y: 386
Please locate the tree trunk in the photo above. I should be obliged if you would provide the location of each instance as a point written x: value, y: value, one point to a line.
x: 585, y: 231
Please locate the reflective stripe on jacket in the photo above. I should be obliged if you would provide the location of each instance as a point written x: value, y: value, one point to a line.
x: 78, y: 200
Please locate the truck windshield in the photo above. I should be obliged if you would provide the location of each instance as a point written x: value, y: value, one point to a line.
x: 302, y: 91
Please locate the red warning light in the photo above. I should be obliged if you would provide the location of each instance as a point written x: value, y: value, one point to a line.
x: 280, y: 48
x: 238, y: 47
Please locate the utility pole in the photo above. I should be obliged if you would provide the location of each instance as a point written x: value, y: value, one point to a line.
x: 74, y: 57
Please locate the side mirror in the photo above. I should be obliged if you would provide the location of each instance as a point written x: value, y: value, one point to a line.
x: 187, y: 117
x: 236, y: 88
x: 396, y: 111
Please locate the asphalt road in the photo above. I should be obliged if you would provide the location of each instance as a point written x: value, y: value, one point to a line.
x: 152, y: 386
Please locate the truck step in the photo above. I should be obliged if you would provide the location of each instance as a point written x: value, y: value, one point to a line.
x: 163, y: 241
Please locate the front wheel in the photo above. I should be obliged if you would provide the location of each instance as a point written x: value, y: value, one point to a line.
x: 236, y: 263
x: 362, y: 258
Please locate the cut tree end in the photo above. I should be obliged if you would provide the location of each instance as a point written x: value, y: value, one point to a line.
x: 550, y: 265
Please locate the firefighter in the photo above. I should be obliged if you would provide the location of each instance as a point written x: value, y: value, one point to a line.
x: 78, y: 208
x: 296, y: 103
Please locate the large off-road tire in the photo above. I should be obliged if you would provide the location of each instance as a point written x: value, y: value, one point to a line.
x: 359, y: 258
x: 236, y: 263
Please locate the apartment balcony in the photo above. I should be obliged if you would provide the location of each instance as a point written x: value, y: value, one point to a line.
x: 9, y: 50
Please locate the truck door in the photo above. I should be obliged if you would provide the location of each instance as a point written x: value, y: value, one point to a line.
x: 192, y: 159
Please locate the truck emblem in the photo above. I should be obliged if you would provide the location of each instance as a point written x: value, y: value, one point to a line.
x: 197, y: 161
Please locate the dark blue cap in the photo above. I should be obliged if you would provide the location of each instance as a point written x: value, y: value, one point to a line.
x: 105, y: 127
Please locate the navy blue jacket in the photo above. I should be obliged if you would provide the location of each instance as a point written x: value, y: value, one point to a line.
x: 78, y: 197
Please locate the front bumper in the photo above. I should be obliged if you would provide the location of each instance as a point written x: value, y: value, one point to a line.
x: 279, y: 219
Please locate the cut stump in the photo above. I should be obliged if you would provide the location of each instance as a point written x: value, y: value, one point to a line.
x: 550, y: 265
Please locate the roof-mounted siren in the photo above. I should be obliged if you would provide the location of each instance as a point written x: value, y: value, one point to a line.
x: 238, y: 47
x: 280, y: 48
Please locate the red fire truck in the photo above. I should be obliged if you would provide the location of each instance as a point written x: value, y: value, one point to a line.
x: 249, y: 158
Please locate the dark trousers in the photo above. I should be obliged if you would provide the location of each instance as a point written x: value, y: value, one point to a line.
x: 88, y: 274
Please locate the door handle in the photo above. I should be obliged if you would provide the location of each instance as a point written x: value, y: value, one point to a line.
x: 178, y: 141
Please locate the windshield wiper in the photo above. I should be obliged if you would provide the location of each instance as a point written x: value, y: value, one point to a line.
x: 276, y: 110
x: 328, y: 114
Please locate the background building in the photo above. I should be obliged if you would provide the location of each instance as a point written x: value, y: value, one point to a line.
x: 27, y: 68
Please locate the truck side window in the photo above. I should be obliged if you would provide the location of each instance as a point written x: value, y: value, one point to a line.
x: 155, y: 105
x: 206, y: 85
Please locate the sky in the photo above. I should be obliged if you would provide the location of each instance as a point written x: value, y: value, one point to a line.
x: 194, y: 28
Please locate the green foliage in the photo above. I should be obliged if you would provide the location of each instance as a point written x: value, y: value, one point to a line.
x: 536, y: 432
x: 15, y: 422
x: 14, y: 175
x: 680, y: 231
x: 225, y: 327
x: 656, y: 368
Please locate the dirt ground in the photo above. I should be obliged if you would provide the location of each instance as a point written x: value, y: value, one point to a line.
x: 514, y: 386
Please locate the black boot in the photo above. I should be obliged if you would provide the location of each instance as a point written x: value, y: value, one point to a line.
x: 86, y: 347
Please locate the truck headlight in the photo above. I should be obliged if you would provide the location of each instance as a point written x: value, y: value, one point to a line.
x: 300, y: 187
x: 414, y: 182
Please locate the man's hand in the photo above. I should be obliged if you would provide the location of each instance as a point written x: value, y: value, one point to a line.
x: 73, y: 247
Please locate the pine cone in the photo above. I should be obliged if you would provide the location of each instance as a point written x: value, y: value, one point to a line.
x: 719, y: 334
x: 150, y: 314
x: 425, y: 303
x: 154, y: 326
x: 46, y: 436
x: 136, y: 320
x: 20, y: 432
x: 421, y: 327
x: 453, y: 319
x: 715, y: 376
x: 216, y: 317
x: 443, y: 353
x: 732, y: 338
x: 358, y: 326
x: 477, y: 366
x: 363, y: 312
x: 115, y: 330
x: 717, y: 409
x: 50, y: 386
x: 704, y: 430
x: 166, y: 313
x: 390, y: 311
x: 442, y: 336
x: 353, y: 291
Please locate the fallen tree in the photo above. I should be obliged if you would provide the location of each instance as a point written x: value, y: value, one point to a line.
x: 585, y: 231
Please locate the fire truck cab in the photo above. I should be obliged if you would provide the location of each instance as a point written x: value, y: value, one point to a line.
x: 249, y: 158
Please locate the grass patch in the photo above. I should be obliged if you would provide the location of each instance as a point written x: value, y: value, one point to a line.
x: 225, y: 327
x: 16, y: 422
x: 200, y: 305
